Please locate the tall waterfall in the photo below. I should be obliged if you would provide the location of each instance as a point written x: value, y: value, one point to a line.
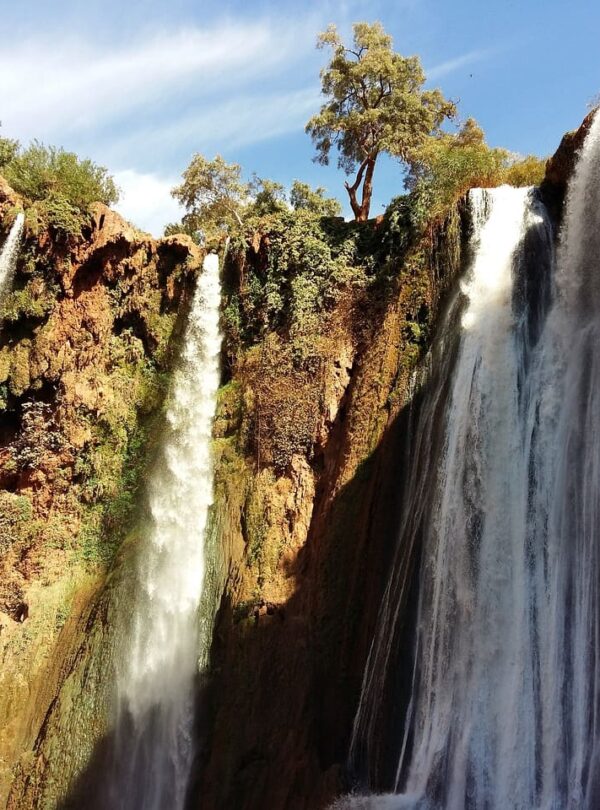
x: 8, y: 254
x: 504, y: 708
x: 157, y: 668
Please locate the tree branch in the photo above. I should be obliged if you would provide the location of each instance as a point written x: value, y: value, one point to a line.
x: 359, y: 177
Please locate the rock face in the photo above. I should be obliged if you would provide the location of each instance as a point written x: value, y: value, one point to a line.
x: 560, y: 167
x: 309, y: 460
x: 308, y: 532
x: 308, y: 543
x: 87, y: 340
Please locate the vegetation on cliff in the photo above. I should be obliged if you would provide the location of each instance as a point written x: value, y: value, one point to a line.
x: 58, y: 187
x: 375, y: 103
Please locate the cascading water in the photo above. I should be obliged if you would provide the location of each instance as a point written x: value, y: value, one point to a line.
x: 157, y: 667
x: 504, y: 711
x: 8, y: 255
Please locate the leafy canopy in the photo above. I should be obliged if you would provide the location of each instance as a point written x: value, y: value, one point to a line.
x: 213, y: 194
x: 375, y: 103
x: 219, y: 202
x: 42, y: 172
x: 305, y: 198
x: 446, y: 167
x: 8, y: 151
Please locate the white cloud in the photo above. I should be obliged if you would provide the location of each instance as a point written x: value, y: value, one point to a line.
x: 146, y: 200
x: 48, y: 89
x: 153, y: 102
x: 451, y: 65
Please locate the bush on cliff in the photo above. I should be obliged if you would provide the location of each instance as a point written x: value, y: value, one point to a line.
x: 445, y: 168
x: 40, y: 172
x: 60, y: 186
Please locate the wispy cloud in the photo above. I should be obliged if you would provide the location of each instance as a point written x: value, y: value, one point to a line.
x: 221, y: 125
x: 145, y: 107
x: 79, y: 86
x: 452, y: 65
x: 146, y: 200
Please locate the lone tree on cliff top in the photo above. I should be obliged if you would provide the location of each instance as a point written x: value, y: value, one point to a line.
x: 375, y: 103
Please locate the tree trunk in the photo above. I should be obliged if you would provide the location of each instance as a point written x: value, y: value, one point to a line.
x: 367, y: 193
x: 361, y: 210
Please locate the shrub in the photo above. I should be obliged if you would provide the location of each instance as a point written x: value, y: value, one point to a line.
x: 60, y: 178
x: 527, y: 171
x: 8, y: 151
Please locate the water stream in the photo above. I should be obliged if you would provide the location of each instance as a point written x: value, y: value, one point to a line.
x: 157, y: 668
x: 9, y: 253
x: 504, y: 707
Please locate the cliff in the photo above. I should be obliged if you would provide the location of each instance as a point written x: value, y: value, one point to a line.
x: 307, y: 503
x: 87, y: 341
x: 325, y: 325
x: 309, y: 542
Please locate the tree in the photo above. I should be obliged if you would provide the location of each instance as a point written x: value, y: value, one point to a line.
x: 303, y: 197
x: 42, y: 173
x: 213, y: 195
x: 447, y: 166
x: 269, y: 196
x: 375, y: 103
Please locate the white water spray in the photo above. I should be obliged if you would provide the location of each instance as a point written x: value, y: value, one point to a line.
x: 9, y: 253
x: 156, y: 676
x: 505, y: 704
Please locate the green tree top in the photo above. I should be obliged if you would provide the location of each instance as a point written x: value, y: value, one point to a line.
x: 213, y: 194
x: 375, y: 103
x: 42, y: 172
x: 305, y: 198
x: 219, y: 202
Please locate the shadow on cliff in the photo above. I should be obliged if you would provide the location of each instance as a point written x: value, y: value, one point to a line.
x: 274, y: 718
x: 286, y: 682
x: 114, y: 779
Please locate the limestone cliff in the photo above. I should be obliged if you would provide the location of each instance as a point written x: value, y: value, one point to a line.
x: 85, y: 348
x: 312, y: 425
x: 308, y: 542
x: 309, y: 528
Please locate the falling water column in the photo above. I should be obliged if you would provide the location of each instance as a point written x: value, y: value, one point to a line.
x: 8, y: 255
x: 474, y: 713
x: 158, y: 663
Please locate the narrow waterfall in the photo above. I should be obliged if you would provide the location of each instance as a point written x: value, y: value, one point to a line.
x: 157, y: 667
x: 504, y: 705
x: 8, y: 254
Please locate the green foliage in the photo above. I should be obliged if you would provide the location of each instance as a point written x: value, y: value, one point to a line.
x: 59, y: 186
x: 213, y: 195
x: 305, y: 198
x: 62, y: 215
x: 269, y: 196
x: 446, y: 167
x: 44, y: 173
x: 113, y: 470
x: 311, y: 261
x: 16, y: 514
x: 375, y: 103
x: 8, y: 151
x: 527, y: 171
x: 34, y: 300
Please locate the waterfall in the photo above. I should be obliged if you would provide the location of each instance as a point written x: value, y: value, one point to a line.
x: 157, y: 667
x: 8, y: 255
x: 504, y: 706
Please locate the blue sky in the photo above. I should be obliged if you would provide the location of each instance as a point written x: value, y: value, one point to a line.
x: 141, y: 86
